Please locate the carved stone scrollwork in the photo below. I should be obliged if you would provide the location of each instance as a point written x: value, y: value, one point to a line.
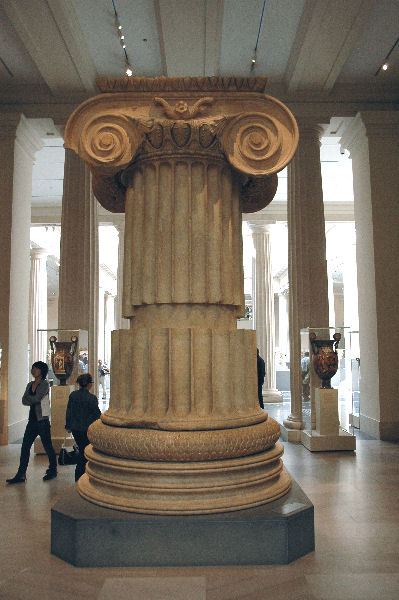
x: 257, y: 143
x: 110, y: 141
x: 258, y: 192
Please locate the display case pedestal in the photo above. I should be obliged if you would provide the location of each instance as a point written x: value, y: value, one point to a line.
x: 328, y: 435
x: 59, y: 401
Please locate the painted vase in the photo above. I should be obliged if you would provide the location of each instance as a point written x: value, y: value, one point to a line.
x: 62, y: 357
x: 325, y: 357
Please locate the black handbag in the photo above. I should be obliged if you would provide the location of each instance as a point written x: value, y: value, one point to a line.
x: 68, y: 457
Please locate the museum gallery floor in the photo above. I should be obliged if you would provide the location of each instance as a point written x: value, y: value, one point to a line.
x: 357, y: 536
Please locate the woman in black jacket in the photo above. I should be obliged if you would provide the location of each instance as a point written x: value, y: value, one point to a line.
x: 36, y: 396
x: 82, y: 411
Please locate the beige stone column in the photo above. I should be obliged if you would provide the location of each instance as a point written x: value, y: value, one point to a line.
x: 19, y: 143
x: 38, y: 304
x: 372, y: 139
x: 264, y: 308
x: 307, y: 265
x: 120, y: 321
x: 78, y: 295
x: 184, y: 432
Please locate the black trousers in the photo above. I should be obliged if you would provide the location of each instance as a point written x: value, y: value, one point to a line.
x: 34, y: 429
x: 82, y: 441
x: 260, y: 397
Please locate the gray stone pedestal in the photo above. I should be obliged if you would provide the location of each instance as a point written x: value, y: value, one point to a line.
x: 87, y: 535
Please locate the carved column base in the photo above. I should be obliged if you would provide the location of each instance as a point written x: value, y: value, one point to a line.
x: 293, y: 422
x: 176, y: 488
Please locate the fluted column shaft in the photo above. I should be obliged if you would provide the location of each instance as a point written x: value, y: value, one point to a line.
x: 264, y: 308
x: 38, y: 304
x: 184, y: 243
x: 78, y: 297
x: 182, y: 361
x: 307, y: 265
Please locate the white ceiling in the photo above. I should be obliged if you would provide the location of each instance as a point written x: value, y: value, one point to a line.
x: 56, y: 48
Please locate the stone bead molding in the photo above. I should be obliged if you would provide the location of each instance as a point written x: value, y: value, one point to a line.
x: 183, y: 379
x: 256, y: 133
x: 184, y: 446
x: 166, y: 488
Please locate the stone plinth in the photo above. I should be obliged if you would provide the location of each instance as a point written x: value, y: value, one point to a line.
x: 328, y: 435
x: 327, y: 420
x: 183, y: 158
x: 86, y: 535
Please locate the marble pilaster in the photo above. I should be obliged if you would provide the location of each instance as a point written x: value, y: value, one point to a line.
x: 264, y: 308
x: 38, y: 304
x: 78, y: 288
x: 307, y: 265
x: 372, y: 139
x: 19, y: 143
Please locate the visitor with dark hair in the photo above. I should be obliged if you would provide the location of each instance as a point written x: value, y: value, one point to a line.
x: 82, y: 411
x: 36, y: 396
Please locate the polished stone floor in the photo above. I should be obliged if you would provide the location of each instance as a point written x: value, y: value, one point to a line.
x: 357, y: 539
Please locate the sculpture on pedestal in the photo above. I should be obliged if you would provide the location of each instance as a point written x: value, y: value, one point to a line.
x: 183, y: 158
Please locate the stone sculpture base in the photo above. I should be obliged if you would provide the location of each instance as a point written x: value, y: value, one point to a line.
x: 315, y: 442
x: 87, y: 535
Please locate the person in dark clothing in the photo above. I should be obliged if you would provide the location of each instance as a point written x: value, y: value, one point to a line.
x: 36, y: 396
x: 82, y: 411
x: 261, y: 376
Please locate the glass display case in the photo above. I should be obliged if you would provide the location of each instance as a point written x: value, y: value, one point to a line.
x: 354, y: 361
x: 67, y: 357
x: 324, y: 365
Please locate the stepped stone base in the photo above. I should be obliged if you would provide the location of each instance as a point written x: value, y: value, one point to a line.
x: 87, y: 535
x: 315, y: 442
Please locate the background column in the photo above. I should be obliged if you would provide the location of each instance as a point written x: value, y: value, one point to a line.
x: 38, y: 304
x: 307, y: 265
x: 78, y: 296
x: 264, y: 308
x: 19, y: 144
x: 120, y: 322
x: 372, y: 139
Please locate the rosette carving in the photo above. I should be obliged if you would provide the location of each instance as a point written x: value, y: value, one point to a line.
x: 258, y: 143
x: 110, y: 141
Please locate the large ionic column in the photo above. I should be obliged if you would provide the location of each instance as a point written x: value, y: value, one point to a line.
x: 184, y: 432
x: 19, y: 143
x: 307, y: 265
x: 38, y: 304
x: 264, y: 308
x: 78, y: 295
x: 372, y: 139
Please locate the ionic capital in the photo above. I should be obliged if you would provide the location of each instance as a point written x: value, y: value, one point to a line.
x: 197, y: 118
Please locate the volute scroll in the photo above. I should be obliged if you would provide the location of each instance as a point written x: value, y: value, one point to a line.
x: 258, y: 143
x: 110, y: 142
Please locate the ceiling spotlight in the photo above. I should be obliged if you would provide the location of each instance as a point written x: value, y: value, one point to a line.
x: 253, y: 61
x: 122, y: 37
x: 384, y: 66
x: 129, y: 71
x: 119, y: 27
